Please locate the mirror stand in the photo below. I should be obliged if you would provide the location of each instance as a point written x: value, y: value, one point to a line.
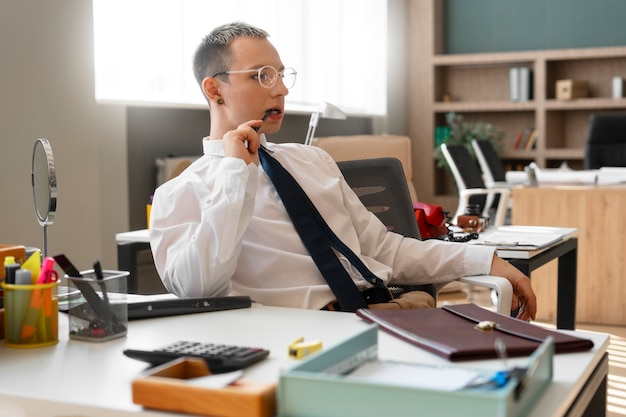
x: 44, y: 182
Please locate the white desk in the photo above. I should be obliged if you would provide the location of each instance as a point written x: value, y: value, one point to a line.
x: 76, y: 378
x: 128, y: 244
x: 142, y: 235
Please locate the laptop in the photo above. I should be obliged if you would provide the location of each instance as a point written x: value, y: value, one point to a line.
x: 158, y: 305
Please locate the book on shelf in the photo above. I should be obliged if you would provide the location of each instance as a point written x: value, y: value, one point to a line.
x: 518, y: 141
x: 441, y: 134
x: 514, y: 84
x: 526, y: 84
x: 531, y: 142
x: 524, y: 137
x: 520, y: 84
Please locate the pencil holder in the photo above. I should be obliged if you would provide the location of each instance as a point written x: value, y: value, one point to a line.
x: 101, y: 313
x: 31, y: 316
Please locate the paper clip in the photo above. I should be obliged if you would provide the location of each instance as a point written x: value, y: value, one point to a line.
x: 299, y: 349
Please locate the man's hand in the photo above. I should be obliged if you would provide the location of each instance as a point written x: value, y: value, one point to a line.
x: 524, y: 297
x: 243, y: 142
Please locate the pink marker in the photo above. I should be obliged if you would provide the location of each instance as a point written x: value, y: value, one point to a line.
x: 47, y: 274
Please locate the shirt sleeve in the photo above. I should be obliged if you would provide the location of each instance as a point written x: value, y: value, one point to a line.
x: 436, y: 261
x: 197, y: 223
x: 414, y: 261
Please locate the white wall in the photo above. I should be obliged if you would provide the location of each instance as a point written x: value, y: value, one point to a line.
x: 46, y: 90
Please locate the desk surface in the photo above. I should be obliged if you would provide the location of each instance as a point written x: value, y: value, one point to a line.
x: 94, y: 379
x: 526, y: 253
x: 143, y: 236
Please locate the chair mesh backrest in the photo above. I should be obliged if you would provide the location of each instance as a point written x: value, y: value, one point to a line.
x: 471, y: 176
x: 381, y: 186
x: 606, y: 141
x: 493, y: 160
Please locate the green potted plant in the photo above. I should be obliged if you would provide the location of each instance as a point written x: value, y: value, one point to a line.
x: 462, y: 133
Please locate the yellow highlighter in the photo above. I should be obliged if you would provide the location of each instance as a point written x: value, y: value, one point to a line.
x: 299, y: 349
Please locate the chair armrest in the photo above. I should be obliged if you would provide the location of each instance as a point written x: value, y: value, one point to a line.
x: 503, y: 288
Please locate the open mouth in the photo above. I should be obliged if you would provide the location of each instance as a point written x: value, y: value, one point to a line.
x: 271, y: 112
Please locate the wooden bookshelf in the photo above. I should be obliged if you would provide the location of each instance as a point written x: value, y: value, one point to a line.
x: 478, y: 85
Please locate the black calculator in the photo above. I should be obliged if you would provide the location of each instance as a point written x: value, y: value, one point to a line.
x: 219, y: 357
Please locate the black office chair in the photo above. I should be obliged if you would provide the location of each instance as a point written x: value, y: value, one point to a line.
x: 606, y: 141
x: 494, y: 173
x: 376, y: 183
x: 471, y: 186
x: 381, y: 185
x: 490, y: 162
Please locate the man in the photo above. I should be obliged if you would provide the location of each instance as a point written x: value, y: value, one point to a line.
x: 220, y: 227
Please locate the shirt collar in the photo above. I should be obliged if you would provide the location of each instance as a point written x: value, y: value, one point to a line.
x: 215, y: 146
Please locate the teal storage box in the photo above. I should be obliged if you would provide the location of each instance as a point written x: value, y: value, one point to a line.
x: 323, y: 385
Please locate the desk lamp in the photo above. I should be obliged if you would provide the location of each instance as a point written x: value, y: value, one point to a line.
x: 325, y: 110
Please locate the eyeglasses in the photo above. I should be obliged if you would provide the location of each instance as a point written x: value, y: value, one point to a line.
x: 268, y: 75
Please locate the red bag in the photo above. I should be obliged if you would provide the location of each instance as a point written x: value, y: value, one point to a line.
x: 431, y: 221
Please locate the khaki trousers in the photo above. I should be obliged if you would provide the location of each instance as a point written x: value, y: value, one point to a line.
x: 409, y: 300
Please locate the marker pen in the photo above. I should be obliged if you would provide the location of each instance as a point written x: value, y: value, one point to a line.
x: 47, y: 274
x: 97, y: 269
x: 20, y: 304
x: 10, y: 267
x: 23, y: 277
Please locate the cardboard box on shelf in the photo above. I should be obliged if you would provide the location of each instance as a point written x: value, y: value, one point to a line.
x: 570, y: 89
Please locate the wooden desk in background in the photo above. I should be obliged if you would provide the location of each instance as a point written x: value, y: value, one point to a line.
x: 597, y: 213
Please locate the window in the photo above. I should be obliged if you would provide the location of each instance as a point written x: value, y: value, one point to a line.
x: 144, y: 49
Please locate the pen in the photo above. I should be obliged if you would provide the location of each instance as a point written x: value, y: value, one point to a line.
x: 10, y: 268
x: 97, y: 268
x: 492, y: 243
x: 264, y: 118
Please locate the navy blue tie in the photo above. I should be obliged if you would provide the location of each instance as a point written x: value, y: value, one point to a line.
x: 317, y: 237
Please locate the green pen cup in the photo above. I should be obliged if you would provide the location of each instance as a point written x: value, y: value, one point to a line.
x: 31, y: 315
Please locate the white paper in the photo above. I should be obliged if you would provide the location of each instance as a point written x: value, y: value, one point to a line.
x: 414, y: 376
x: 611, y: 175
x: 215, y: 381
x: 518, y: 239
x: 554, y: 176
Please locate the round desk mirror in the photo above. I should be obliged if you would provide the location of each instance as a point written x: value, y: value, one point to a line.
x: 44, y: 182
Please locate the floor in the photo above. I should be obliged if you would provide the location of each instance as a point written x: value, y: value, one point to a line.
x: 616, y: 396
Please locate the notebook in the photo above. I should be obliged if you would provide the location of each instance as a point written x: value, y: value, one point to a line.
x: 521, y: 237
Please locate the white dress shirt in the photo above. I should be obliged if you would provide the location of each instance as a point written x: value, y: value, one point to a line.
x: 220, y: 228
